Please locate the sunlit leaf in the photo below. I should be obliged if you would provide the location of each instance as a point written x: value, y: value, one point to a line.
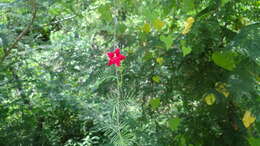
x: 188, y: 24
x: 221, y: 88
x: 156, y: 79
x: 158, y: 24
x: 185, y: 49
x: 168, y: 41
x: 146, y: 28
x: 160, y: 60
x: 210, y: 99
x: 225, y: 60
x: 248, y: 119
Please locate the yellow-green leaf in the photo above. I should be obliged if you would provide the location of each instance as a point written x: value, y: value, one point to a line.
x: 221, y: 88
x: 210, y: 99
x: 188, y: 24
x: 248, y: 119
x: 158, y: 24
x: 146, y: 28
x: 160, y: 60
x: 156, y: 79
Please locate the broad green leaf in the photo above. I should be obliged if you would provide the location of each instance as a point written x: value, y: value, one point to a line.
x: 185, y: 49
x: 225, y: 59
x: 210, y: 99
x: 155, y: 103
x: 168, y: 41
x: 174, y: 123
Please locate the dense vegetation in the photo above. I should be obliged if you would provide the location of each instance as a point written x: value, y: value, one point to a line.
x: 191, y: 75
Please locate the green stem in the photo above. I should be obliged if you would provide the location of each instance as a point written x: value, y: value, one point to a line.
x: 118, y: 103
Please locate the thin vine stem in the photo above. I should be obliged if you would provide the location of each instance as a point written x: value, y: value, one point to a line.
x: 118, y: 103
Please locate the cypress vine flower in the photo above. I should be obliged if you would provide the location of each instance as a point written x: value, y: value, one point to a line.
x: 115, y: 57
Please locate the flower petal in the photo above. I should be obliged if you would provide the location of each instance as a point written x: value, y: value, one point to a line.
x: 117, y: 51
x: 110, y: 54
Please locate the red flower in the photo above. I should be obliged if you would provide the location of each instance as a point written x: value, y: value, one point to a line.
x: 115, y: 57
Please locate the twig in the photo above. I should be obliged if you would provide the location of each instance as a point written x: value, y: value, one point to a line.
x: 58, y: 21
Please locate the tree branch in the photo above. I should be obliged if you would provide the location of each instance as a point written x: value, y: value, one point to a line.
x: 19, y: 37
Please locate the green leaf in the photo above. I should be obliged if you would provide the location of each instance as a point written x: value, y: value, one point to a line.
x: 155, y: 103
x: 185, y: 49
x: 223, y: 2
x: 174, y: 123
x: 183, y: 141
x: 121, y: 28
x: 148, y: 56
x: 146, y: 28
x: 106, y: 13
x: 146, y: 11
x: 254, y: 141
x: 188, y: 5
x: 156, y: 79
x: 158, y: 24
x: 246, y: 42
x: 225, y: 59
x: 168, y: 41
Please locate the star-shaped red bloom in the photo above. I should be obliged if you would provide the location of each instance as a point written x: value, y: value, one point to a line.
x: 115, y: 57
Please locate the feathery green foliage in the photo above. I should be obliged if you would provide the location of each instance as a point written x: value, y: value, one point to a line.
x: 191, y: 72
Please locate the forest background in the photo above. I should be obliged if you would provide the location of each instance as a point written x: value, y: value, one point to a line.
x: 191, y: 74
